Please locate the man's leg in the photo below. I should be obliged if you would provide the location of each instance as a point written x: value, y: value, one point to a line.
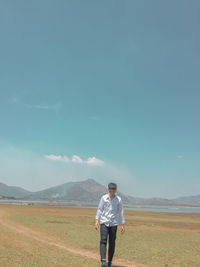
x: 112, y: 238
x: 103, y: 241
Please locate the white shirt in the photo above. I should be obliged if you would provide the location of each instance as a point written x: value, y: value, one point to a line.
x: 108, y: 209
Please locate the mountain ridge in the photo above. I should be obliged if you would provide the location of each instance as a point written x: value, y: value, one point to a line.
x: 88, y: 191
x: 12, y: 191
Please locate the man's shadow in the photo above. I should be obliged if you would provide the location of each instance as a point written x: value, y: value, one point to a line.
x: 118, y: 266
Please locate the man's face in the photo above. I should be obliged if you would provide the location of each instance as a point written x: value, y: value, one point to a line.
x: 112, y: 192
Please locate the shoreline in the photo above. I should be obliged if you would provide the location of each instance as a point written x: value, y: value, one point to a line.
x: 79, y: 204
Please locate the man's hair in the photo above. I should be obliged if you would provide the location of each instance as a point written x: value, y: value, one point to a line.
x: 112, y: 186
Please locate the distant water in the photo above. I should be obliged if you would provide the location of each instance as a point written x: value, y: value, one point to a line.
x: 167, y: 209
x: 35, y: 202
x: 138, y: 207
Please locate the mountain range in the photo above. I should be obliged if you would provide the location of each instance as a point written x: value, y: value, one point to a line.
x: 88, y: 192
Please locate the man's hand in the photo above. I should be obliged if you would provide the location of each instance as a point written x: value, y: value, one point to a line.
x: 122, y: 228
x: 96, y: 225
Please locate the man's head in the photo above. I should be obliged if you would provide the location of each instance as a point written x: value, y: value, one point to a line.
x: 112, y: 189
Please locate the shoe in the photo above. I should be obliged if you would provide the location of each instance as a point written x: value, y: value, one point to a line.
x: 109, y: 264
x: 103, y: 264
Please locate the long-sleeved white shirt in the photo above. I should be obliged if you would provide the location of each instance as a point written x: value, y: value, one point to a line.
x: 109, y: 209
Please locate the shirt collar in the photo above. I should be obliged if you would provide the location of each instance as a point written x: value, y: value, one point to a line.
x: 108, y: 197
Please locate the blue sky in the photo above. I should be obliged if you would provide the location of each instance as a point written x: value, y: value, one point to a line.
x: 108, y: 90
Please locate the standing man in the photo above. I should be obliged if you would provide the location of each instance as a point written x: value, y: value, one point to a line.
x: 109, y: 207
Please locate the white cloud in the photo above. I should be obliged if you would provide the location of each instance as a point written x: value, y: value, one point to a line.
x: 55, y: 107
x: 58, y: 158
x: 53, y: 157
x: 76, y: 159
x: 95, y: 161
x: 16, y: 100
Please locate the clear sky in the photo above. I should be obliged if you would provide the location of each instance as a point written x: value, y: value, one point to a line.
x: 108, y: 90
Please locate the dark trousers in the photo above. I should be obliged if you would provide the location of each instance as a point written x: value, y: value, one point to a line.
x: 106, y: 231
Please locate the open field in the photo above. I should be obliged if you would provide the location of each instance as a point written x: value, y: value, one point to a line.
x: 43, y: 236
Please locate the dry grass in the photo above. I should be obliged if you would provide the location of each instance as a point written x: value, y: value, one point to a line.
x: 17, y: 250
x: 155, y: 239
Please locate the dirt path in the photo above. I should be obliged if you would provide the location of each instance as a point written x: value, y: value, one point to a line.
x: 42, y: 237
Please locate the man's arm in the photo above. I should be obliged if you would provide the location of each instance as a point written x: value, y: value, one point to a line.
x: 121, y: 216
x: 121, y: 212
x: 99, y: 212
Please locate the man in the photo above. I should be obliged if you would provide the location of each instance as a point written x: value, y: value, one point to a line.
x: 109, y: 207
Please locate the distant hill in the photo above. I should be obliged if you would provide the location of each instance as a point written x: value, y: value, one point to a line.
x: 12, y: 191
x: 190, y: 200
x: 83, y: 191
x: 89, y: 192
